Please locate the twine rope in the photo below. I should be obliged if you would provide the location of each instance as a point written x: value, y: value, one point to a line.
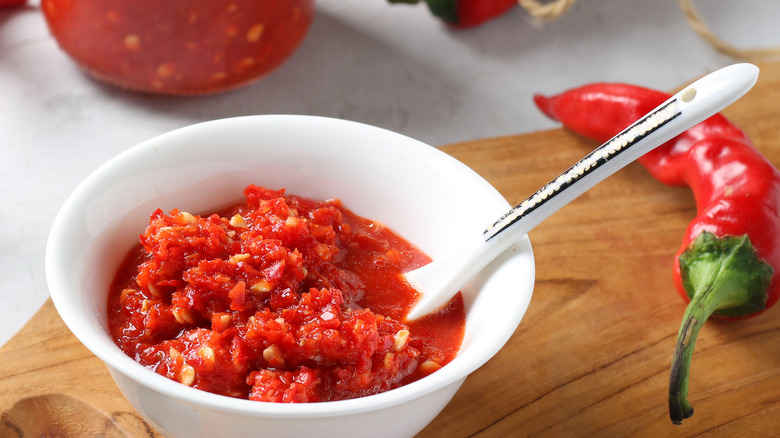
x: 547, y: 10
x: 698, y: 25
x: 554, y: 9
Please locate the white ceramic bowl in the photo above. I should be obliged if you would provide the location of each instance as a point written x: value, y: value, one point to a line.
x: 423, y: 194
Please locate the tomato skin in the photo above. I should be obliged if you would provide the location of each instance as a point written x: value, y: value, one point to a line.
x: 178, y: 46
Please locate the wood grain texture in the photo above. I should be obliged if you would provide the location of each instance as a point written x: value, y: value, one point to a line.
x: 591, y: 357
x: 52, y: 386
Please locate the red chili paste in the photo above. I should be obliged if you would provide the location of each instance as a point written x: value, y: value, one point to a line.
x: 178, y: 46
x: 280, y: 299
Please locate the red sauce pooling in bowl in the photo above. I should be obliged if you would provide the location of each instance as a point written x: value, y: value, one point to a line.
x: 280, y: 299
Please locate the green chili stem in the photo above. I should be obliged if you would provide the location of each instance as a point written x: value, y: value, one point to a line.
x: 696, y: 314
x: 722, y: 276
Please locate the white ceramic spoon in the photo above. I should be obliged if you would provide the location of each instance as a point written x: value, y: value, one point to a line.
x: 438, y: 281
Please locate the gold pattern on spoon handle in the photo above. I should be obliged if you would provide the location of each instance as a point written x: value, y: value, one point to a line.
x: 601, y: 155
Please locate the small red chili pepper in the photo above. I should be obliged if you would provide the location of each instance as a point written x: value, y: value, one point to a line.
x: 729, y: 262
x: 466, y: 13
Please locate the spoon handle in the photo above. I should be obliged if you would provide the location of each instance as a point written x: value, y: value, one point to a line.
x: 440, y: 280
x: 687, y: 108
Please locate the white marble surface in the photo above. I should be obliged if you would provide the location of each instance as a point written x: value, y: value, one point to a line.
x: 393, y: 66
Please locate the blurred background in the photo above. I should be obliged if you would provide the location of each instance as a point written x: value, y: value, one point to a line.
x: 392, y: 65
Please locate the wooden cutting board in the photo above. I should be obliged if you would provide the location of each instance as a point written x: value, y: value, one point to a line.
x: 591, y: 357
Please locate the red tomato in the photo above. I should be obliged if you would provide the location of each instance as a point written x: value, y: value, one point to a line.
x: 178, y: 46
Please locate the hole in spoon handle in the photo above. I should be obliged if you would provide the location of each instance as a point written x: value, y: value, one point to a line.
x: 589, y: 166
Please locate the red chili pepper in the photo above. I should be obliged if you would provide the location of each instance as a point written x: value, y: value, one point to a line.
x: 466, y: 13
x: 729, y: 262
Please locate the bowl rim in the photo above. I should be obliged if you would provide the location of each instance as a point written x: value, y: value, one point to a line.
x: 455, y: 372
